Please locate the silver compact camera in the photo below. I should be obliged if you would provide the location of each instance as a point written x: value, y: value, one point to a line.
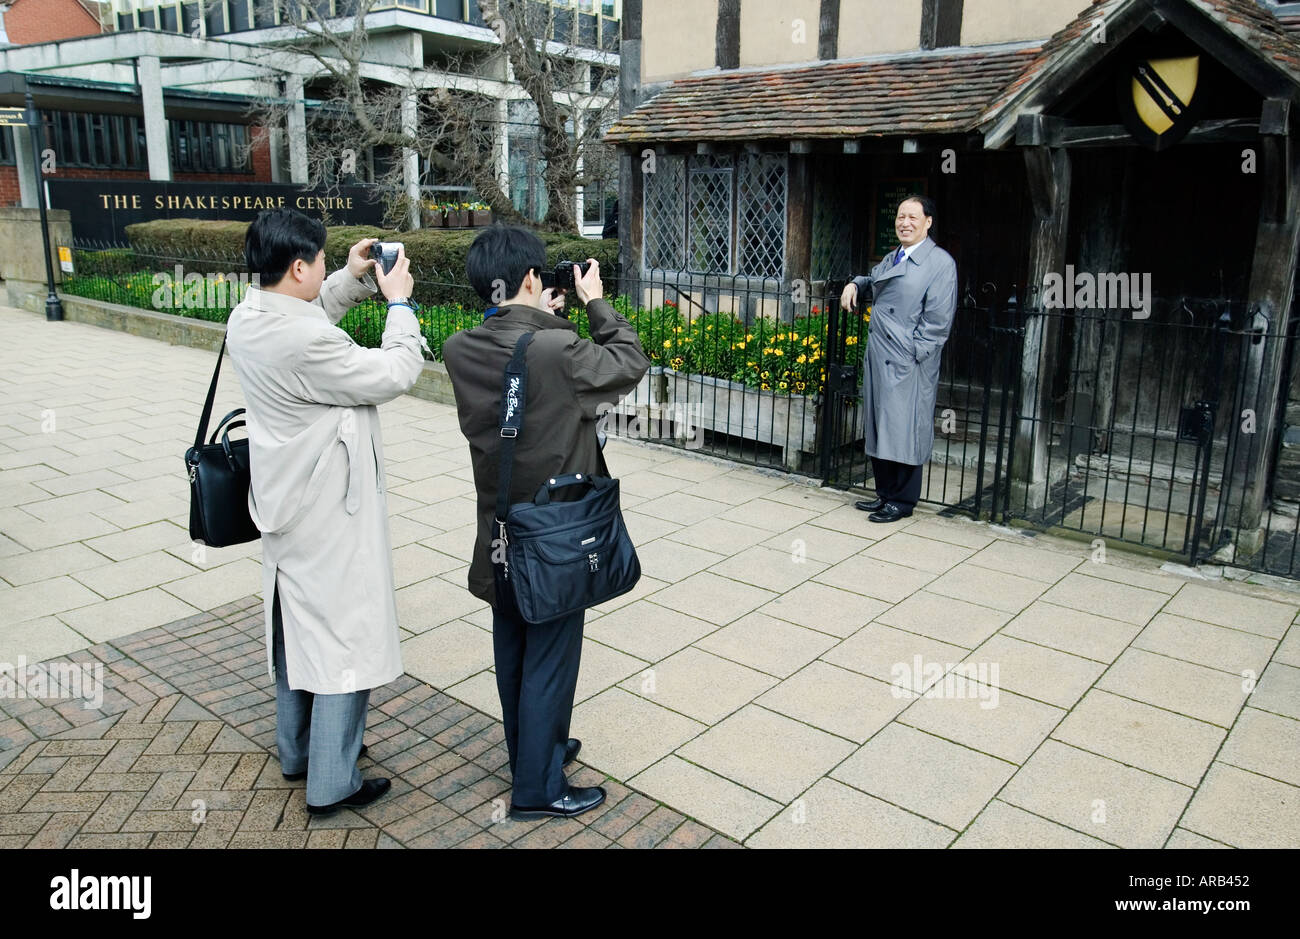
x: 385, y: 254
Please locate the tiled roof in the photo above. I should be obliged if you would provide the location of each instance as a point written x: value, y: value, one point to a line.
x: 932, y: 92
x: 1253, y: 25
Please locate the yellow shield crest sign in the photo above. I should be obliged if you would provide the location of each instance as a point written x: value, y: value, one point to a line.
x: 1160, y: 104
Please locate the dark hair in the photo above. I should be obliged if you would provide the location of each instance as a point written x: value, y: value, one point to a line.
x: 503, y: 253
x: 927, y: 204
x: 276, y: 239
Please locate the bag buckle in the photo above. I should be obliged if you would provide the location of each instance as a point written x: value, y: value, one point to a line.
x: 509, y: 431
x: 593, y: 563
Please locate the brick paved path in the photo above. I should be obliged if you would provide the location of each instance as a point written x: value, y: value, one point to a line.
x: 181, y: 754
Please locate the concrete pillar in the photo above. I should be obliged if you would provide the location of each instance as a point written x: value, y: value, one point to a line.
x: 411, y: 160
x: 22, y: 144
x: 275, y: 139
x: 149, y: 72
x: 503, y: 145
x: 297, y: 129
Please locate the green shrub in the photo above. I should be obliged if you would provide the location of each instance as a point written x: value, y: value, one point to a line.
x: 437, y: 255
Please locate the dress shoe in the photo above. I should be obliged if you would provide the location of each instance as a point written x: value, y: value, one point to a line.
x: 571, y: 750
x: 294, y: 777
x: 874, y: 505
x: 371, y: 789
x: 889, y: 512
x: 577, y: 800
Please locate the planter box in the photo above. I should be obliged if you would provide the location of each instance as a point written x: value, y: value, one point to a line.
x: 431, y: 219
x: 480, y: 218
x: 728, y: 407
x: 458, y: 219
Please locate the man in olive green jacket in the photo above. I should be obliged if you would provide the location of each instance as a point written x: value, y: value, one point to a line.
x: 568, y: 379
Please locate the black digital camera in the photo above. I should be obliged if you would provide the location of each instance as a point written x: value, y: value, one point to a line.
x: 385, y: 254
x: 563, y: 275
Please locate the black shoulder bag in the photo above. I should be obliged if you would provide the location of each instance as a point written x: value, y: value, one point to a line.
x: 219, y: 478
x: 557, y: 557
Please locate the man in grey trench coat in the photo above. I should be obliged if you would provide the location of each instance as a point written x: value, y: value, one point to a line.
x: 914, y: 297
x: 317, y: 491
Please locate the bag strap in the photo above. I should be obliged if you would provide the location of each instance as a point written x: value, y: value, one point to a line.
x: 212, y: 397
x: 514, y: 392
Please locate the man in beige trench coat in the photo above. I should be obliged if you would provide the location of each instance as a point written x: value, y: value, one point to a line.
x: 317, y: 492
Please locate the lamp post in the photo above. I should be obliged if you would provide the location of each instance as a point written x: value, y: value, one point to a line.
x: 53, y: 305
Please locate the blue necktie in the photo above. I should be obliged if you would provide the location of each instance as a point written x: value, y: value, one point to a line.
x: 900, y: 257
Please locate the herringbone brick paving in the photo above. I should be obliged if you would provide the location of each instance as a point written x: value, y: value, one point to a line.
x: 180, y: 754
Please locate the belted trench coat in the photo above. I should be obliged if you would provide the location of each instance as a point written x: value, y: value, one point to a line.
x: 318, y: 491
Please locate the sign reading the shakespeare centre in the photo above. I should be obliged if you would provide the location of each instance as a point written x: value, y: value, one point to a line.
x: 101, y: 209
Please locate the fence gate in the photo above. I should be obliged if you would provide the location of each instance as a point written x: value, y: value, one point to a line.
x: 1161, y: 431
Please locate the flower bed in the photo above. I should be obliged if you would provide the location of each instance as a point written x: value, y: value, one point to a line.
x: 781, y: 359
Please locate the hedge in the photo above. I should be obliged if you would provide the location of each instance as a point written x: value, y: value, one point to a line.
x: 437, y: 255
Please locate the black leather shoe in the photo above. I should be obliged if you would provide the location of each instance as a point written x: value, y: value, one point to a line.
x: 294, y: 777
x: 577, y: 800
x: 371, y: 789
x: 872, y: 506
x: 571, y: 750
x: 889, y: 512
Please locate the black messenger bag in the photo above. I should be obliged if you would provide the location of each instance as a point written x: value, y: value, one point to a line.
x: 219, y: 479
x: 556, y: 557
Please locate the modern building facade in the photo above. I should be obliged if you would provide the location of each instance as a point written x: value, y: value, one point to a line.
x: 165, y: 91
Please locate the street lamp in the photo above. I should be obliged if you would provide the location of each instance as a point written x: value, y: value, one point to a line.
x: 53, y: 305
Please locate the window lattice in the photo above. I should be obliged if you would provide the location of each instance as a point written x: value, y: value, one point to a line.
x: 709, y: 213
x: 832, y: 231
x: 663, y: 214
x: 760, y: 209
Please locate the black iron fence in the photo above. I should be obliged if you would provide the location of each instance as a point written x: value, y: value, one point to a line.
x: 1164, y: 430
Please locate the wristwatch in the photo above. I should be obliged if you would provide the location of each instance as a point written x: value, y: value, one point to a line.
x: 404, y: 301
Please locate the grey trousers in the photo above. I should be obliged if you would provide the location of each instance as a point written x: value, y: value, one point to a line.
x: 319, y: 733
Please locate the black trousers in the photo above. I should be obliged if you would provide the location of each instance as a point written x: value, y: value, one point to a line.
x: 899, y: 483
x: 537, y: 674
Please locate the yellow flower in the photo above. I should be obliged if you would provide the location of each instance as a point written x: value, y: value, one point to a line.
x: 752, y: 364
x: 739, y: 345
x: 802, y: 359
x: 749, y: 337
x: 783, y: 385
x: 689, y: 339
x: 778, y: 352
x: 851, y: 340
x: 668, y: 343
x: 708, y: 327
x: 677, y: 329
x: 765, y: 386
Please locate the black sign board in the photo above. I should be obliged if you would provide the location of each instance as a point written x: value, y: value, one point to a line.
x: 102, y: 208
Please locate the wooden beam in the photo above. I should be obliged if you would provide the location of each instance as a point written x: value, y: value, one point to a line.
x: 798, y: 241
x: 1048, y: 173
x: 1242, y: 60
x: 1275, y: 117
x: 727, y: 46
x: 1271, y: 293
x: 828, y: 30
